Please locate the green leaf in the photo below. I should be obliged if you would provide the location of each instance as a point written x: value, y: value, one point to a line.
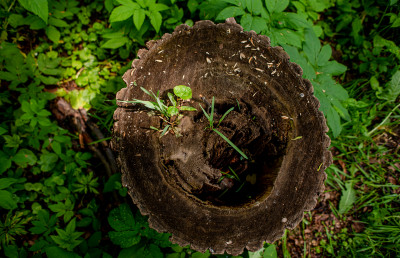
x: 7, y: 76
x: 332, y: 68
x: 121, y: 218
x: 158, y: 7
x: 276, y: 6
x: 57, y: 22
x: 124, y: 239
x: 155, y: 20
x: 183, y: 92
x: 138, y: 18
x: 5, y: 162
x: 392, y: 89
x: 53, y: 34
x: 172, y: 99
x: 254, y: 6
x: 311, y: 46
x: 121, y: 13
x: 48, y: 161
x: 115, y: 43
x: 295, y: 21
x: 348, y: 198
x: 270, y: 252
x: 57, y: 252
x: 6, y: 182
x: 249, y: 22
x: 7, y: 202
x: 187, y: 108
x: 25, y: 157
x: 324, y: 55
x: 333, y: 120
x: 231, y: 11
x: 172, y: 111
x: 38, y: 7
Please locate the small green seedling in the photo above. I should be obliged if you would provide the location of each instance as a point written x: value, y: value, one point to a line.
x: 210, y: 118
x: 165, y: 112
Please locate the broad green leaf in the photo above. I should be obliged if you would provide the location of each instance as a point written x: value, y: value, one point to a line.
x: 249, y: 22
x: 25, y: 157
x: 183, y: 92
x: 5, y: 162
x: 295, y: 21
x: 53, y: 34
x: 158, y: 7
x: 7, y: 76
x: 348, y: 198
x: 38, y: 7
x: 138, y: 18
x: 57, y: 252
x: 121, y: 218
x: 124, y: 239
x: 6, y: 182
x: 121, y: 13
x: 392, y: 89
x: 231, y: 11
x: 332, y: 68
x: 7, y: 202
x: 254, y: 6
x: 115, y: 43
x: 333, y: 120
x: 324, y: 55
x: 270, y: 5
x: 281, y: 5
x: 48, y: 161
x: 270, y: 252
x: 311, y: 46
x: 388, y: 44
x: 172, y: 111
x: 57, y: 22
x: 155, y: 20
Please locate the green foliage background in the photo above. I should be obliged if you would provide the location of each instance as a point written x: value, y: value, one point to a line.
x: 56, y: 200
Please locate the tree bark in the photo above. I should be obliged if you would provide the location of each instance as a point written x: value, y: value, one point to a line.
x: 177, y: 182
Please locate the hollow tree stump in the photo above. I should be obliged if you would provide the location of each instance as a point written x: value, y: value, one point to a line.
x: 177, y: 181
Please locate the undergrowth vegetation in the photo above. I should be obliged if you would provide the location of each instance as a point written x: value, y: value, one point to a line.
x: 57, y: 199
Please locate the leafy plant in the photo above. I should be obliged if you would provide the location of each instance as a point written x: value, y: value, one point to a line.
x: 167, y: 112
x: 12, y: 227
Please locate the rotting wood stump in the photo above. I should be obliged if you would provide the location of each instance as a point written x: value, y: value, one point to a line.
x: 178, y: 181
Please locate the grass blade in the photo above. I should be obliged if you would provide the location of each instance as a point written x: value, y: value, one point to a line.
x: 205, y: 113
x: 226, y: 113
x: 212, y: 114
x: 234, y: 173
x: 231, y: 143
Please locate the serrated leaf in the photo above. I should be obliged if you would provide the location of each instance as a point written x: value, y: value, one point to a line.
x: 249, y: 22
x: 295, y: 21
x: 254, y: 6
x: 121, y: 13
x: 347, y: 199
x: 280, y: 5
x: 332, y: 68
x: 311, y: 46
x: 7, y: 202
x: 158, y: 7
x: 392, y: 89
x: 333, y: 120
x: 38, y: 7
x: 138, y: 18
x: 53, y: 34
x: 155, y: 20
x: 324, y: 55
x: 231, y: 11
